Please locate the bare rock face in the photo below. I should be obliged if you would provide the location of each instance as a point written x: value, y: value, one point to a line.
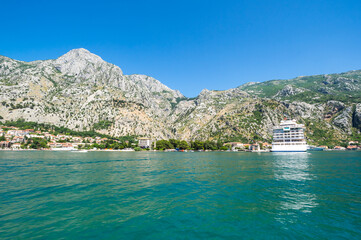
x: 356, y: 118
x: 335, y: 106
x: 305, y: 110
x: 344, y: 120
x: 345, y: 82
x: 288, y: 90
x: 332, y: 108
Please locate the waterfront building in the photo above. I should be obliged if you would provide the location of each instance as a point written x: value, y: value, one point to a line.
x: 353, y: 143
x: 339, y: 148
x: 144, y: 142
x: 62, y: 146
x: 352, y: 147
x: 17, y: 133
x: 50, y: 136
x: 235, y: 145
x: 5, y: 144
x: 18, y: 139
x: 254, y: 147
x: 289, y: 137
x: 36, y: 136
x: 77, y: 139
x: 16, y: 146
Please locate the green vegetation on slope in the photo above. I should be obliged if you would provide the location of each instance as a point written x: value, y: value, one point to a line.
x: 21, y: 124
x: 343, y: 87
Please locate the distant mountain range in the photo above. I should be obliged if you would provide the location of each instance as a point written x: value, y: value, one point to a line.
x: 81, y: 91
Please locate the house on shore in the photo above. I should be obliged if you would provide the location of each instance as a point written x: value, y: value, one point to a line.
x: 352, y: 147
x: 255, y: 147
x: 144, y: 142
x: 5, y: 144
x: 235, y: 145
x: 16, y: 146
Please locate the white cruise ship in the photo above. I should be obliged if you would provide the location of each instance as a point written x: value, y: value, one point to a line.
x: 289, y: 137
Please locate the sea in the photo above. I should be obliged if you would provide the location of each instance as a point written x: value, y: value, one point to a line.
x: 193, y: 195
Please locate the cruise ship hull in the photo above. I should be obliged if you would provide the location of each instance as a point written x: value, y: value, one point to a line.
x: 289, y: 148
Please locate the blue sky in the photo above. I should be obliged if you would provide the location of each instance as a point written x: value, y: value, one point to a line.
x: 191, y: 45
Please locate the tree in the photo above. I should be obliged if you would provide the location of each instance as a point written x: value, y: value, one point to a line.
x: 224, y: 148
x: 209, y: 145
x: 183, y: 145
x: 228, y: 146
x: 175, y: 143
x: 164, y: 144
x: 37, y: 143
x: 197, y: 145
x: 219, y: 144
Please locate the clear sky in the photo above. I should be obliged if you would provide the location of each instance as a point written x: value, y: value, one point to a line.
x: 191, y: 44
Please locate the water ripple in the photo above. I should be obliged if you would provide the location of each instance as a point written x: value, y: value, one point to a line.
x: 45, y: 195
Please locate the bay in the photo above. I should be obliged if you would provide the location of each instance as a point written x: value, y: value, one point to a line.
x: 200, y: 195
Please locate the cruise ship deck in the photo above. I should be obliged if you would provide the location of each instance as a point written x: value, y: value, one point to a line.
x: 289, y: 137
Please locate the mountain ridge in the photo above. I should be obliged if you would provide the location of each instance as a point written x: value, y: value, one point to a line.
x: 80, y: 89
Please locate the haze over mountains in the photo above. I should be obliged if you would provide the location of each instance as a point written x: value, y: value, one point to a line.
x: 81, y: 91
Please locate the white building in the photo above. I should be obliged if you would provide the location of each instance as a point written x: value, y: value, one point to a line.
x: 16, y: 146
x: 144, y: 142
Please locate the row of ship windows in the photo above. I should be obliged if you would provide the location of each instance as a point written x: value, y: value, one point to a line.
x: 288, y: 133
x: 297, y: 143
x: 276, y: 131
x: 289, y: 138
x: 279, y: 135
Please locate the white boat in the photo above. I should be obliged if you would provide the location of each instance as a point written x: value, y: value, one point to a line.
x: 127, y: 150
x: 313, y: 148
x: 261, y: 150
x: 63, y: 149
x: 289, y: 137
x: 82, y: 150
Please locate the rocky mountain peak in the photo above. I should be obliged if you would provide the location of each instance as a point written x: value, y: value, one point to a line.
x: 80, y: 53
x: 77, y: 60
x: 205, y: 91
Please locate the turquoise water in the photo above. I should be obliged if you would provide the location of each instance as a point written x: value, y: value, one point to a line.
x: 109, y: 195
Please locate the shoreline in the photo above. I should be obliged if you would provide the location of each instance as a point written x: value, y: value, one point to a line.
x: 160, y: 151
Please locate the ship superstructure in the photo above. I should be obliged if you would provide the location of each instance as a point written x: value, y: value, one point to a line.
x: 289, y: 137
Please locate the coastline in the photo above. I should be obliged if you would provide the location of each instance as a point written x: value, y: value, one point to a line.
x: 160, y: 151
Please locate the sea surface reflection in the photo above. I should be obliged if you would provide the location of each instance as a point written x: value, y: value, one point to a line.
x: 292, y: 171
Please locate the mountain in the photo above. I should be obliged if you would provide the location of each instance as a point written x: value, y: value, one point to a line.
x: 81, y: 91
